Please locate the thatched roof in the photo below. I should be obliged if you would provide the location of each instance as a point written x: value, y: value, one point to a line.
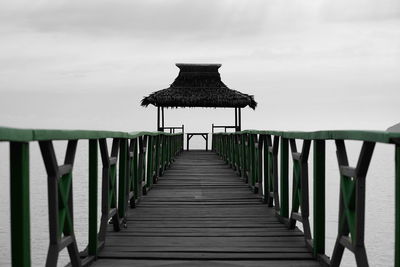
x: 199, y: 85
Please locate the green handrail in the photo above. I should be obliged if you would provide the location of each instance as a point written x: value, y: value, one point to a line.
x: 352, y: 184
x: 129, y: 150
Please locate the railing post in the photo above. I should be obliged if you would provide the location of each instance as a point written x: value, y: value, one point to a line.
x: 397, y: 206
x: 132, y: 173
x: 284, y: 211
x: 19, y: 198
x: 136, y: 166
x: 160, y: 170
x: 237, y: 153
x: 266, y: 170
x: 164, y: 154
x: 149, y: 153
x: 122, y: 179
x: 252, y: 165
x: 93, y: 176
x: 272, y: 195
x: 212, y: 139
x: 319, y: 198
x: 219, y: 145
x: 157, y: 159
x: 246, y: 157
x: 259, y: 164
x: 170, y: 150
x: 142, y: 164
x: 231, y: 151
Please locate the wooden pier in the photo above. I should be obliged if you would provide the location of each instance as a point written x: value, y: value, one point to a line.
x: 225, y: 207
x: 200, y: 213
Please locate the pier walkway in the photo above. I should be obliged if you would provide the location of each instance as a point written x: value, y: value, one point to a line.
x: 200, y: 213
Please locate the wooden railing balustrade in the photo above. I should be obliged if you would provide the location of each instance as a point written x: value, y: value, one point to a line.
x: 135, y: 162
x: 255, y: 156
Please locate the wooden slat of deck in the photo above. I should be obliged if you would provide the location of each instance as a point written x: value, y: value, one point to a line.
x: 201, y: 214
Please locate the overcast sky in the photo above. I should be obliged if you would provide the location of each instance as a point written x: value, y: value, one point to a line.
x: 310, y: 64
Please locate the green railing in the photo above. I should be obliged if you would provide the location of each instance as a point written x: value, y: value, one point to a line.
x: 255, y: 157
x: 140, y: 158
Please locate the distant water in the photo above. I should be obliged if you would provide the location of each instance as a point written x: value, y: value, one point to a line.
x: 379, y: 205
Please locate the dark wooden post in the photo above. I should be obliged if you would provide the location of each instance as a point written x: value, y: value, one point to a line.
x: 284, y: 208
x: 93, y: 184
x: 236, y: 119
x: 19, y: 199
x: 212, y: 137
x: 122, y: 179
x: 183, y: 136
x: 162, y: 120
x: 239, y: 127
x: 397, y: 205
x: 158, y: 119
x: 319, y: 197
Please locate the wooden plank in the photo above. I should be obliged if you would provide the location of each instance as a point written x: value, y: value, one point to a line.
x: 222, y: 241
x: 192, y: 234
x: 208, y: 263
x: 205, y: 249
x: 205, y: 255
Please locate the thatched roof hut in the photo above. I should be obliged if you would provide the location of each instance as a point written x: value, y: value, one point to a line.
x: 199, y: 85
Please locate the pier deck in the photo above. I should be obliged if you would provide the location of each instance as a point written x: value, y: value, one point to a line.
x: 200, y: 213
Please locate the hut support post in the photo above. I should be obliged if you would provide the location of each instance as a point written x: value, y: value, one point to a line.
x: 236, y: 119
x: 158, y: 119
x: 162, y: 114
x: 183, y: 136
x: 238, y: 122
